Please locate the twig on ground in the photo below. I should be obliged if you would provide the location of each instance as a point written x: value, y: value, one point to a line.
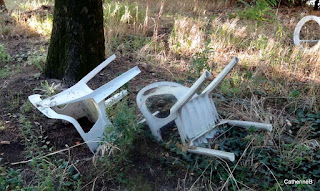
x: 244, y: 152
x: 50, y: 154
x: 272, y: 175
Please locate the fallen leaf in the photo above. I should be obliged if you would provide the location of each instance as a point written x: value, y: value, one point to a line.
x: 5, y: 142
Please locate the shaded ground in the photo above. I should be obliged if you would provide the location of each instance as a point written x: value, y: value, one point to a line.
x: 16, y: 88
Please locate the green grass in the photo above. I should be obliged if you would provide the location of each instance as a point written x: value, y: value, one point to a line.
x: 4, y: 56
x: 261, y: 11
x: 4, y: 72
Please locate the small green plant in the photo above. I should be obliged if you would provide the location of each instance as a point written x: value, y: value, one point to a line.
x: 129, y: 43
x: 32, y: 136
x: 1, y: 126
x: 48, y: 89
x: 260, y: 43
x: 15, y: 98
x: 4, y: 72
x: 26, y: 107
x: 124, y: 129
x: 200, y: 62
x: 49, y: 173
x: 261, y: 11
x: 117, y: 141
x: 37, y: 60
x: 10, y: 179
x: 4, y: 56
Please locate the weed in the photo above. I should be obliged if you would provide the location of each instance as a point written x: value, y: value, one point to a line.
x: 14, y: 99
x: 32, y: 137
x: 124, y: 129
x: 129, y: 44
x: 260, y: 43
x: 10, y: 179
x: 4, y: 72
x: 1, y: 126
x: 26, y: 107
x: 120, y: 136
x: 4, y: 56
x: 200, y: 62
x: 261, y: 11
x: 48, y: 89
x: 49, y: 174
x: 38, y: 61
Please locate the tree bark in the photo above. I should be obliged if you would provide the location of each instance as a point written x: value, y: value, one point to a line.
x: 2, y: 6
x: 77, y: 40
x: 316, y: 5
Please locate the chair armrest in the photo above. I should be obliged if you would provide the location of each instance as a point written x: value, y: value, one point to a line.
x: 193, y: 89
x: 50, y: 113
x: 221, y: 76
x: 116, y: 98
x: 107, y: 89
x: 96, y: 70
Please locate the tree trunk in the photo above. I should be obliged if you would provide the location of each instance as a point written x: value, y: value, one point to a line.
x: 316, y: 5
x: 77, y: 40
x: 2, y: 6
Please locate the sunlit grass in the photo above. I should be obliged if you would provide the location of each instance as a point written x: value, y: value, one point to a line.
x: 187, y: 36
x: 27, y: 5
x: 35, y: 24
x: 121, y: 19
x: 26, y: 18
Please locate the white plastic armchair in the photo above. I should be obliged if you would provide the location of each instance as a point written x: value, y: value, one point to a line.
x: 297, y: 30
x: 81, y: 101
x: 195, y: 115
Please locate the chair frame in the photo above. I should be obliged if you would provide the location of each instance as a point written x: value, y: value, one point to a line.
x: 184, y: 112
x: 80, y: 100
x: 296, y: 34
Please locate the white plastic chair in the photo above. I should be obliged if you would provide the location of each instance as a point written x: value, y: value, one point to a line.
x: 296, y: 34
x: 195, y: 115
x: 81, y: 101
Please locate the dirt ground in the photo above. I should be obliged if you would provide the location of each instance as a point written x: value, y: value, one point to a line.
x: 19, y: 85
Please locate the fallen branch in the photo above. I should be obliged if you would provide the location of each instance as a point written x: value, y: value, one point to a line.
x: 53, y: 153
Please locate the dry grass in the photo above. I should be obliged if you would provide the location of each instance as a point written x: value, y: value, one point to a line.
x: 26, y: 5
x: 25, y: 20
x: 187, y: 36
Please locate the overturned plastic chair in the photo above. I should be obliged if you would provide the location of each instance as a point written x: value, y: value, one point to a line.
x: 195, y: 115
x: 296, y: 35
x: 80, y: 101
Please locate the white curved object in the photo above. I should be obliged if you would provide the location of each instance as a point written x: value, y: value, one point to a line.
x: 80, y: 101
x: 158, y: 88
x: 296, y: 34
x: 195, y: 115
